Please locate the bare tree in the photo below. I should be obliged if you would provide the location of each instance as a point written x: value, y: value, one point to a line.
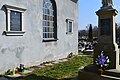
x: 95, y: 31
x: 82, y: 33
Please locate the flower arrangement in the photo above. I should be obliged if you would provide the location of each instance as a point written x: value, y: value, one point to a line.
x: 102, y: 62
x: 19, y: 69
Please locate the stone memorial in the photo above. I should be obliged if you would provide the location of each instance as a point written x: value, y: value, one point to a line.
x: 107, y: 3
x: 106, y: 43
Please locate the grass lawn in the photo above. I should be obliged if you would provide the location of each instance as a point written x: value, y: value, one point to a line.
x: 62, y: 71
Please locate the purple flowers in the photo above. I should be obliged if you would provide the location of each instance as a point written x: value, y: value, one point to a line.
x: 21, y: 65
x: 102, y: 61
x: 21, y: 68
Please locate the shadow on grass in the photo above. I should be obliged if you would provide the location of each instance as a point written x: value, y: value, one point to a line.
x: 32, y: 77
x: 35, y: 77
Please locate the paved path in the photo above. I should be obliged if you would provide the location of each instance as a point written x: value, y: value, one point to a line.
x: 3, y: 78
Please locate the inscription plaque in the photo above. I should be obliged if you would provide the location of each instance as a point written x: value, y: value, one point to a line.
x: 105, y: 27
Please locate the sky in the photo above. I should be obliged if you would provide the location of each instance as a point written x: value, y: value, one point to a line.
x: 87, y: 9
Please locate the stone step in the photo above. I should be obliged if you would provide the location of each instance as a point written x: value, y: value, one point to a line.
x: 112, y: 72
x: 84, y: 75
x: 110, y: 77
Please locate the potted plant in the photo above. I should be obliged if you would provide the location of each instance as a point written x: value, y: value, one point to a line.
x: 102, y: 62
x: 19, y: 69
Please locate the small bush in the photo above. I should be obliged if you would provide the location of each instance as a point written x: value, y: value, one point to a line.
x: 9, y: 72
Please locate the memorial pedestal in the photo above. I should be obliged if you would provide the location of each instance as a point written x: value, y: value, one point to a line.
x: 107, y: 37
x: 107, y: 44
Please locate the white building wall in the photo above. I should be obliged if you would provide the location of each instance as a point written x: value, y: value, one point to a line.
x: 30, y: 49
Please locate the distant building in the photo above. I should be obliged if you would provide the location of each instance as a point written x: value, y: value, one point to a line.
x: 34, y: 31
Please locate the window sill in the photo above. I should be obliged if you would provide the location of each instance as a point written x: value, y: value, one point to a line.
x: 14, y: 33
x: 69, y: 33
x: 49, y: 40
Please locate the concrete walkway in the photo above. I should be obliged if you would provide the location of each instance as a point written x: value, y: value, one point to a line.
x: 3, y: 78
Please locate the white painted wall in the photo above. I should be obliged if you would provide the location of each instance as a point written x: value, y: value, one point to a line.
x: 29, y: 49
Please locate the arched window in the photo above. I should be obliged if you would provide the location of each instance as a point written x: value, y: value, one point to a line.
x: 49, y: 20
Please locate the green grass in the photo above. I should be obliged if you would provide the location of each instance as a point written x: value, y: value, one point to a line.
x: 64, y: 70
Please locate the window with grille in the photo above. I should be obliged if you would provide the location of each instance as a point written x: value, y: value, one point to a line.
x: 49, y: 20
